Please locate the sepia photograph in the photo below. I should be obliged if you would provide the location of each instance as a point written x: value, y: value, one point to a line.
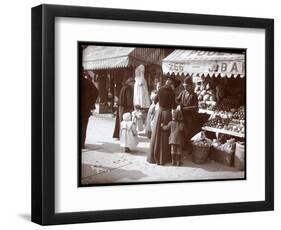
x: 141, y: 114
x: 159, y: 114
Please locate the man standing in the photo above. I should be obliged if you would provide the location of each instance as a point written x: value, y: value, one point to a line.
x: 88, y: 97
x: 188, y: 102
x: 125, y: 104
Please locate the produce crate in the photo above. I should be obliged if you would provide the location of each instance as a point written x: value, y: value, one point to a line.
x: 200, y: 154
x: 222, y: 157
x: 239, y: 157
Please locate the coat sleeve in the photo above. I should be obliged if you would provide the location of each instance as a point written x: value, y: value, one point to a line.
x: 181, y: 127
x: 173, y: 100
x: 167, y: 127
x: 193, y: 106
x: 178, y: 98
x: 129, y: 98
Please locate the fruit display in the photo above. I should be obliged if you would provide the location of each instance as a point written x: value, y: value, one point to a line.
x: 209, y: 105
x: 227, y: 104
x: 203, y: 143
x: 206, y: 97
x: 226, y: 124
x: 237, y: 128
x: 223, y: 114
x: 207, y: 100
x: 216, y: 122
x: 227, y: 108
x: 240, y: 113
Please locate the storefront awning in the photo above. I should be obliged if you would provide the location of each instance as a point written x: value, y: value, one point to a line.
x: 204, y: 63
x: 108, y: 57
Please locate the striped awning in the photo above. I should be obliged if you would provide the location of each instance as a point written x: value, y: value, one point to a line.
x: 204, y: 63
x: 110, y: 57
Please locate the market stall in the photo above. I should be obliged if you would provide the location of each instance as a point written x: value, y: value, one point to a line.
x: 110, y: 66
x: 219, y: 82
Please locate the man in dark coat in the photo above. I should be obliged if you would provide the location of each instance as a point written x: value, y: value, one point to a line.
x: 125, y: 104
x: 160, y: 150
x: 88, y: 97
x: 188, y: 102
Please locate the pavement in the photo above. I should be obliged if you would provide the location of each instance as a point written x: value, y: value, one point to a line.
x: 103, y: 160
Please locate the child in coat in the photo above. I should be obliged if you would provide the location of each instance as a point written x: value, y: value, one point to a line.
x: 138, y: 118
x: 176, y: 138
x: 128, y: 133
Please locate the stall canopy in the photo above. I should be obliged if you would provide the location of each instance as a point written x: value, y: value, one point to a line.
x: 108, y: 57
x: 204, y: 63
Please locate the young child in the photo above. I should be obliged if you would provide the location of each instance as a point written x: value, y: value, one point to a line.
x: 176, y: 137
x: 128, y: 133
x: 138, y: 118
x: 151, y: 113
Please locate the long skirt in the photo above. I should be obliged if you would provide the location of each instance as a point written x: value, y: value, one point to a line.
x: 189, y: 129
x: 160, y: 150
x: 119, y: 117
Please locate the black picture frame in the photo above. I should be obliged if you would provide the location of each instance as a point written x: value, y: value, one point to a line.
x: 43, y: 114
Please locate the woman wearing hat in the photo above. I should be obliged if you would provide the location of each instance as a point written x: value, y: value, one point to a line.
x: 188, y: 102
x: 160, y: 151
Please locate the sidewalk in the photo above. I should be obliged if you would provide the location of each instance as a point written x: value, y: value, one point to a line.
x: 104, y: 162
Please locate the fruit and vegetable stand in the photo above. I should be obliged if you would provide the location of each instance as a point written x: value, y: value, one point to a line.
x: 219, y: 79
x: 223, y: 131
x: 213, y: 73
x: 229, y: 123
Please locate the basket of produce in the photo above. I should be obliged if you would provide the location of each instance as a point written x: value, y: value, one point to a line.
x: 200, y: 151
x: 239, y: 156
x: 223, y: 153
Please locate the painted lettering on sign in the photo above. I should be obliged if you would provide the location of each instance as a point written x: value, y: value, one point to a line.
x: 231, y: 67
x: 175, y: 67
x: 207, y: 53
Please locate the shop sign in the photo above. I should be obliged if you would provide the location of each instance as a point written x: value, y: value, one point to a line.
x: 227, y: 67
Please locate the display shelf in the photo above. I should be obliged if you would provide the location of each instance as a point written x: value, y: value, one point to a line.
x: 206, y: 111
x: 223, y: 131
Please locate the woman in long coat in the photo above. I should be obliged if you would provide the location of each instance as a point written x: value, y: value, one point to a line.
x: 89, y: 95
x: 160, y: 151
x: 125, y: 104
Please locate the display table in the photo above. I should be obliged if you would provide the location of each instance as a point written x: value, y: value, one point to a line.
x: 223, y: 131
x: 210, y: 112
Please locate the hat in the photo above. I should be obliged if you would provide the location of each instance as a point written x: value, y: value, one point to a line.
x: 126, y: 116
x: 140, y: 68
x: 130, y: 80
x: 187, y: 81
x: 171, y: 79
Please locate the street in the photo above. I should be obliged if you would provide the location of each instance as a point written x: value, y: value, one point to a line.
x: 103, y: 161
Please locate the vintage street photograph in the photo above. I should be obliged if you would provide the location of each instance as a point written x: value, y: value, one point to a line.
x: 155, y: 114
